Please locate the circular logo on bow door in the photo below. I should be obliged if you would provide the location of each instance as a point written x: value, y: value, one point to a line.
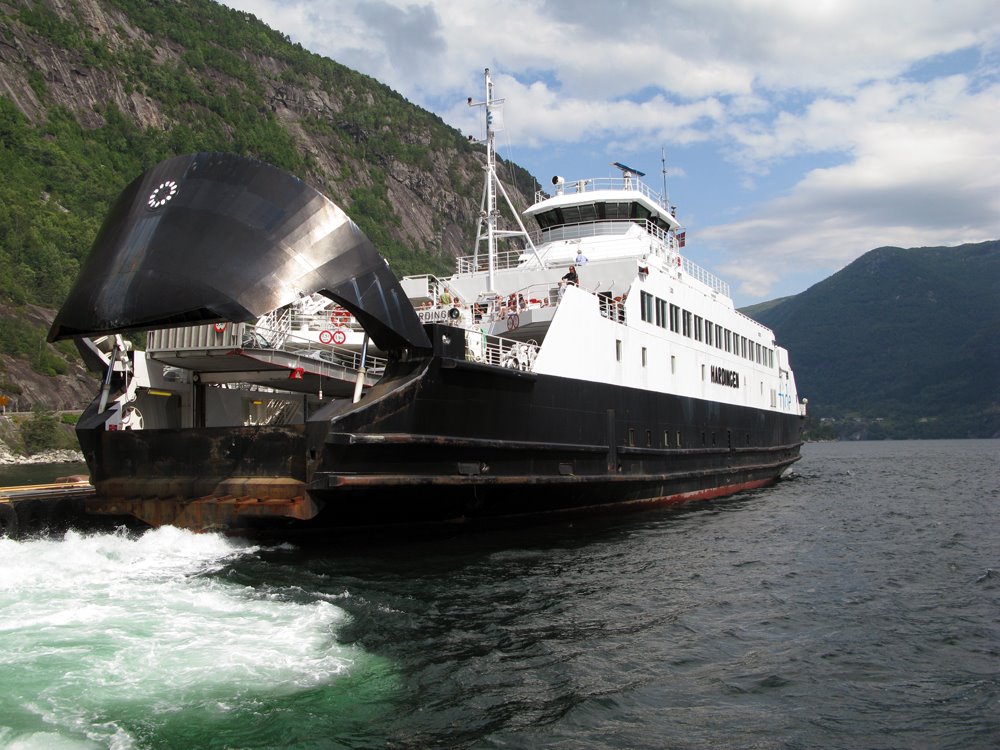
x: 162, y: 195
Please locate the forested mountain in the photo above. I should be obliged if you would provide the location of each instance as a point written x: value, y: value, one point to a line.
x: 93, y: 92
x: 900, y: 343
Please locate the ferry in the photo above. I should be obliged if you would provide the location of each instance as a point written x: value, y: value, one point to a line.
x: 290, y: 384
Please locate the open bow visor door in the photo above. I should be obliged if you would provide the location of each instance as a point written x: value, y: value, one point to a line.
x: 217, y: 237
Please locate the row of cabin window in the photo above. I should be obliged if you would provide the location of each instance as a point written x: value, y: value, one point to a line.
x: 668, y: 315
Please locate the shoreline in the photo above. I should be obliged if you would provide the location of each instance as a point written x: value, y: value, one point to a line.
x: 7, y: 458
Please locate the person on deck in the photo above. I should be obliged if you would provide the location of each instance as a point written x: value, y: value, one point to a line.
x: 570, y: 277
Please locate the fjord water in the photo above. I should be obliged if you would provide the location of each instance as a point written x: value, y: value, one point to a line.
x: 854, y: 605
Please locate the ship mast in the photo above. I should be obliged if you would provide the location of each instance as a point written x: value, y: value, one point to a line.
x: 664, y: 201
x: 488, y: 212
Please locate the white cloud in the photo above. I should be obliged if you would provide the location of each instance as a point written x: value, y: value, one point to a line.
x: 924, y: 170
x: 887, y: 110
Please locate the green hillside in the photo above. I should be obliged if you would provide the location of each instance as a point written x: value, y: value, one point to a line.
x: 900, y: 343
x: 96, y: 91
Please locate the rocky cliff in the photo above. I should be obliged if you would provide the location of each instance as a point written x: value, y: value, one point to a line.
x: 94, y: 91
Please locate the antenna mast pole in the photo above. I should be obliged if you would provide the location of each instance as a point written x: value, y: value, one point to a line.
x: 489, y: 211
x: 663, y: 161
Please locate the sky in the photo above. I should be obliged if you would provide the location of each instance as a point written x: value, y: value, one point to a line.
x: 798, y: 134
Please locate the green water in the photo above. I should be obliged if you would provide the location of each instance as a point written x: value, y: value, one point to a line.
x: 18, y: 474
x: 118, y: 641
x: 854, y: 605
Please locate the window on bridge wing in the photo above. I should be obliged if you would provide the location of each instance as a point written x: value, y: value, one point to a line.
x: 617, y: 211
x: 640, y: 212
x: 547, y: 219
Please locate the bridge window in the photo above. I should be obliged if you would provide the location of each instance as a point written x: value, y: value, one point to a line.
x: 616, y: 211
x: 579, y: 214
x: 640, y: 212
x: 548, y: 219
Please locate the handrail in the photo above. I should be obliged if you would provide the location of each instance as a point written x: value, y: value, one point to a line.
x: 481, y: 262
x: 708, y: 278
x: 500, y: 352
x: 664, y: 244
x: 624, y: 184
x: 249, y: 336
x: 331, y: 353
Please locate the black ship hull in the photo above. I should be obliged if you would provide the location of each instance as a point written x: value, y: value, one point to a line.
x: 441, y: 441
x: 206, y: 241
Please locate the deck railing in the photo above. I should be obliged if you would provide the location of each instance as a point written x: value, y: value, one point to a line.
x: 625, y: 184
x: 249, y: 336
x: 708, y: 278
x: 664, y: 245
x: 499, y: 351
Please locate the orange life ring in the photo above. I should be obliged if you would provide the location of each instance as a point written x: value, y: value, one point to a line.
x: 339, y: 337
x: 325, y: 337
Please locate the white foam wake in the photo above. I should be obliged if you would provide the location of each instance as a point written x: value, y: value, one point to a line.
x: 92, y: 623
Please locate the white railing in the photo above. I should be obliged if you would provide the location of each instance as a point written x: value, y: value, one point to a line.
x: 278, y: 323
x: 336, y: 317
x: 500, y: 352
x: 612, y: 308
x: 480, y: 261
x: 331, y: 353
x: 633, y: 184
x: 705, y: 277
x: 664, y: 243
x: 248, y: 336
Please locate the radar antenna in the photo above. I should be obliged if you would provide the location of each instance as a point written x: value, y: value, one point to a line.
x: 627, y: 170
x: 627, y: 174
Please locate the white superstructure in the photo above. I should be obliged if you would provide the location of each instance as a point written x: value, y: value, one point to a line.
x: 641, y: 314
